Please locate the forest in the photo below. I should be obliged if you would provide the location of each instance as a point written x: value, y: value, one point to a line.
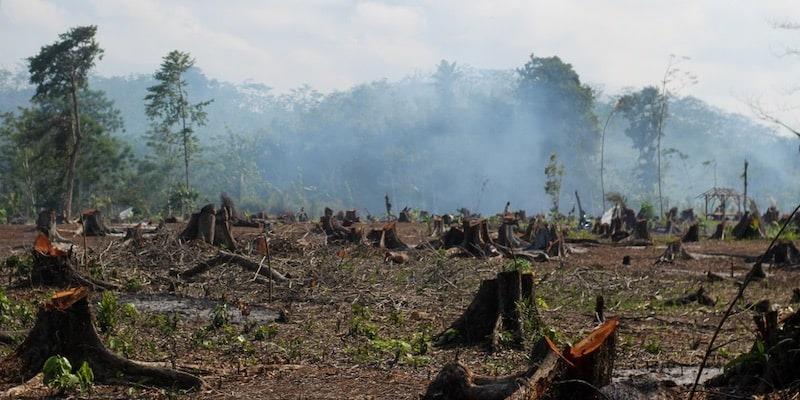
x: 414, y: 139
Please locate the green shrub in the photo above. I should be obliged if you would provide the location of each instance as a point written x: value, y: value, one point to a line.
x: 57, y: 375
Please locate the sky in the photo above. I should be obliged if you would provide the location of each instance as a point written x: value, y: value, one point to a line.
x: 733, y: 48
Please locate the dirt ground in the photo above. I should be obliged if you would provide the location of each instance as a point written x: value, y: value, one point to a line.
x: 357, y: 327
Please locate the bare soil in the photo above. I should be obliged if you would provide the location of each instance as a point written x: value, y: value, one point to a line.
x: 360, y: 328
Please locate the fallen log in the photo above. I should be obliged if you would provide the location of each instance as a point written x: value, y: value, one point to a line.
x: 224, y: 257
x: 64, y: 327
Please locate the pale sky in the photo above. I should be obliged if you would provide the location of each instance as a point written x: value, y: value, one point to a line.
x: 734, y: 50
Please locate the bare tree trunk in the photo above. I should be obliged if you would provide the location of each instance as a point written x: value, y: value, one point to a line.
x: 73, y: 156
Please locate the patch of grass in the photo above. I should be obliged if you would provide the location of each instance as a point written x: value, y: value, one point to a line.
x: 652, y: 347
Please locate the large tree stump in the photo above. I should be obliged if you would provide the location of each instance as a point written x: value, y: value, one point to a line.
x: 719, y: 232
x: 641, y: 231
x: 477, y: 241
x: 494, y: 309
x: 692, y: 234
x: 783, y: 254
x: 438, y: 225
x: 674, y: 251
x: 64, y: 327
x: 749, y: 227
x: 55, y: 267
x: 93, y: 224
x: 336, y: 232
x: 207, y: 224
x: 386, y: 237
x: 222, y: 230
x: 506, y: 234
x: 591, y: 360
x: 46, y: 223
x: 405, y: 215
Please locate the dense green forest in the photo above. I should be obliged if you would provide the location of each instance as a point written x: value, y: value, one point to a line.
x: 454, y: 136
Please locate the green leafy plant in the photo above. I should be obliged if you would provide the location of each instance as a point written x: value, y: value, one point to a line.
x: 57, y: 375
x: 220, y: 316
x: 265, y: 332
x: 108, y: 310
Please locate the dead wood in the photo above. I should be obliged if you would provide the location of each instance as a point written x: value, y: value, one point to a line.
x: 783, y: 254
x: 336, y: 232
x: 506, y: 233
x: 55, y: 267
x: 674, y: 251
x: 590, y: 361
x: 405, y: 215
x: 386, y: 237
x: 641, y: 231
x: 93, y: 224
x: 495, y: 309
x: 772, y: 362
x: 222, y: 230
x: 438, y: 226
x: 692, y: 234
x: 46, y: 223
x: 224, y: 257
x: 699, y: 296
x: 395, y: 257
x: 749, y: 227
x: 477, y: 241
x: 64, y: 327
x: 719, y: 232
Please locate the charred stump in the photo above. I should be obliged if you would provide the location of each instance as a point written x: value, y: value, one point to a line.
x: 692, y: 234
x: 405, y: 215
x: 783, y: 254
x: 64, y: 327
x: 55, y: 267
x: 46, y: 223
x: 642, y: 231
x: 336, y: 232
x: 93, y: 224
x: 495, y: 309
x: 591, y: 360
x: 674, y: 251
x: 749, y: 227
x: 477, y: 241
x: 506, y: 234
x: 719, y: 231
x: 222, y: 230
x: 387, y: 237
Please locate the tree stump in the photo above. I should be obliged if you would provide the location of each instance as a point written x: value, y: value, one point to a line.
x: 93, y: 224
x: 477, y: 241
x: 783, y: 254
x: 692, y: 234
x: 222, y: 230
x: 641, y: 230
x: 46, y: 223
x: 493, y: 310
x: 591, y: 360
x: 674, y: 251
x: 64, y: 327
x: 405, y: 215
x: 54, y: 267
x: 438, y: 225
x: 719, y: 231
x: 506, y: 234
x: 749, y: 227
x: 386, y: 237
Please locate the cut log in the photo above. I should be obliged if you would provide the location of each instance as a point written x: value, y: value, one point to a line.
x: 495, y: 310
x: 64, y: 327
x: 224, y: 257
x: 692, y: 234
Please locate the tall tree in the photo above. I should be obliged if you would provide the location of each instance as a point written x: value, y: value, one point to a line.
x: 643, y: 111
x: 167, y: 105
x: 60, y: 70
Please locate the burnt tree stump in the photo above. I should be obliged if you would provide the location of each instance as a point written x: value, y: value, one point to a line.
x: 64, y: 327
x: 495, y: 309
x: 719, y: 231
x: 692, y: 234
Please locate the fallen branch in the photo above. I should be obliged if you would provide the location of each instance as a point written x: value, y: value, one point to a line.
x: 224, y: 257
